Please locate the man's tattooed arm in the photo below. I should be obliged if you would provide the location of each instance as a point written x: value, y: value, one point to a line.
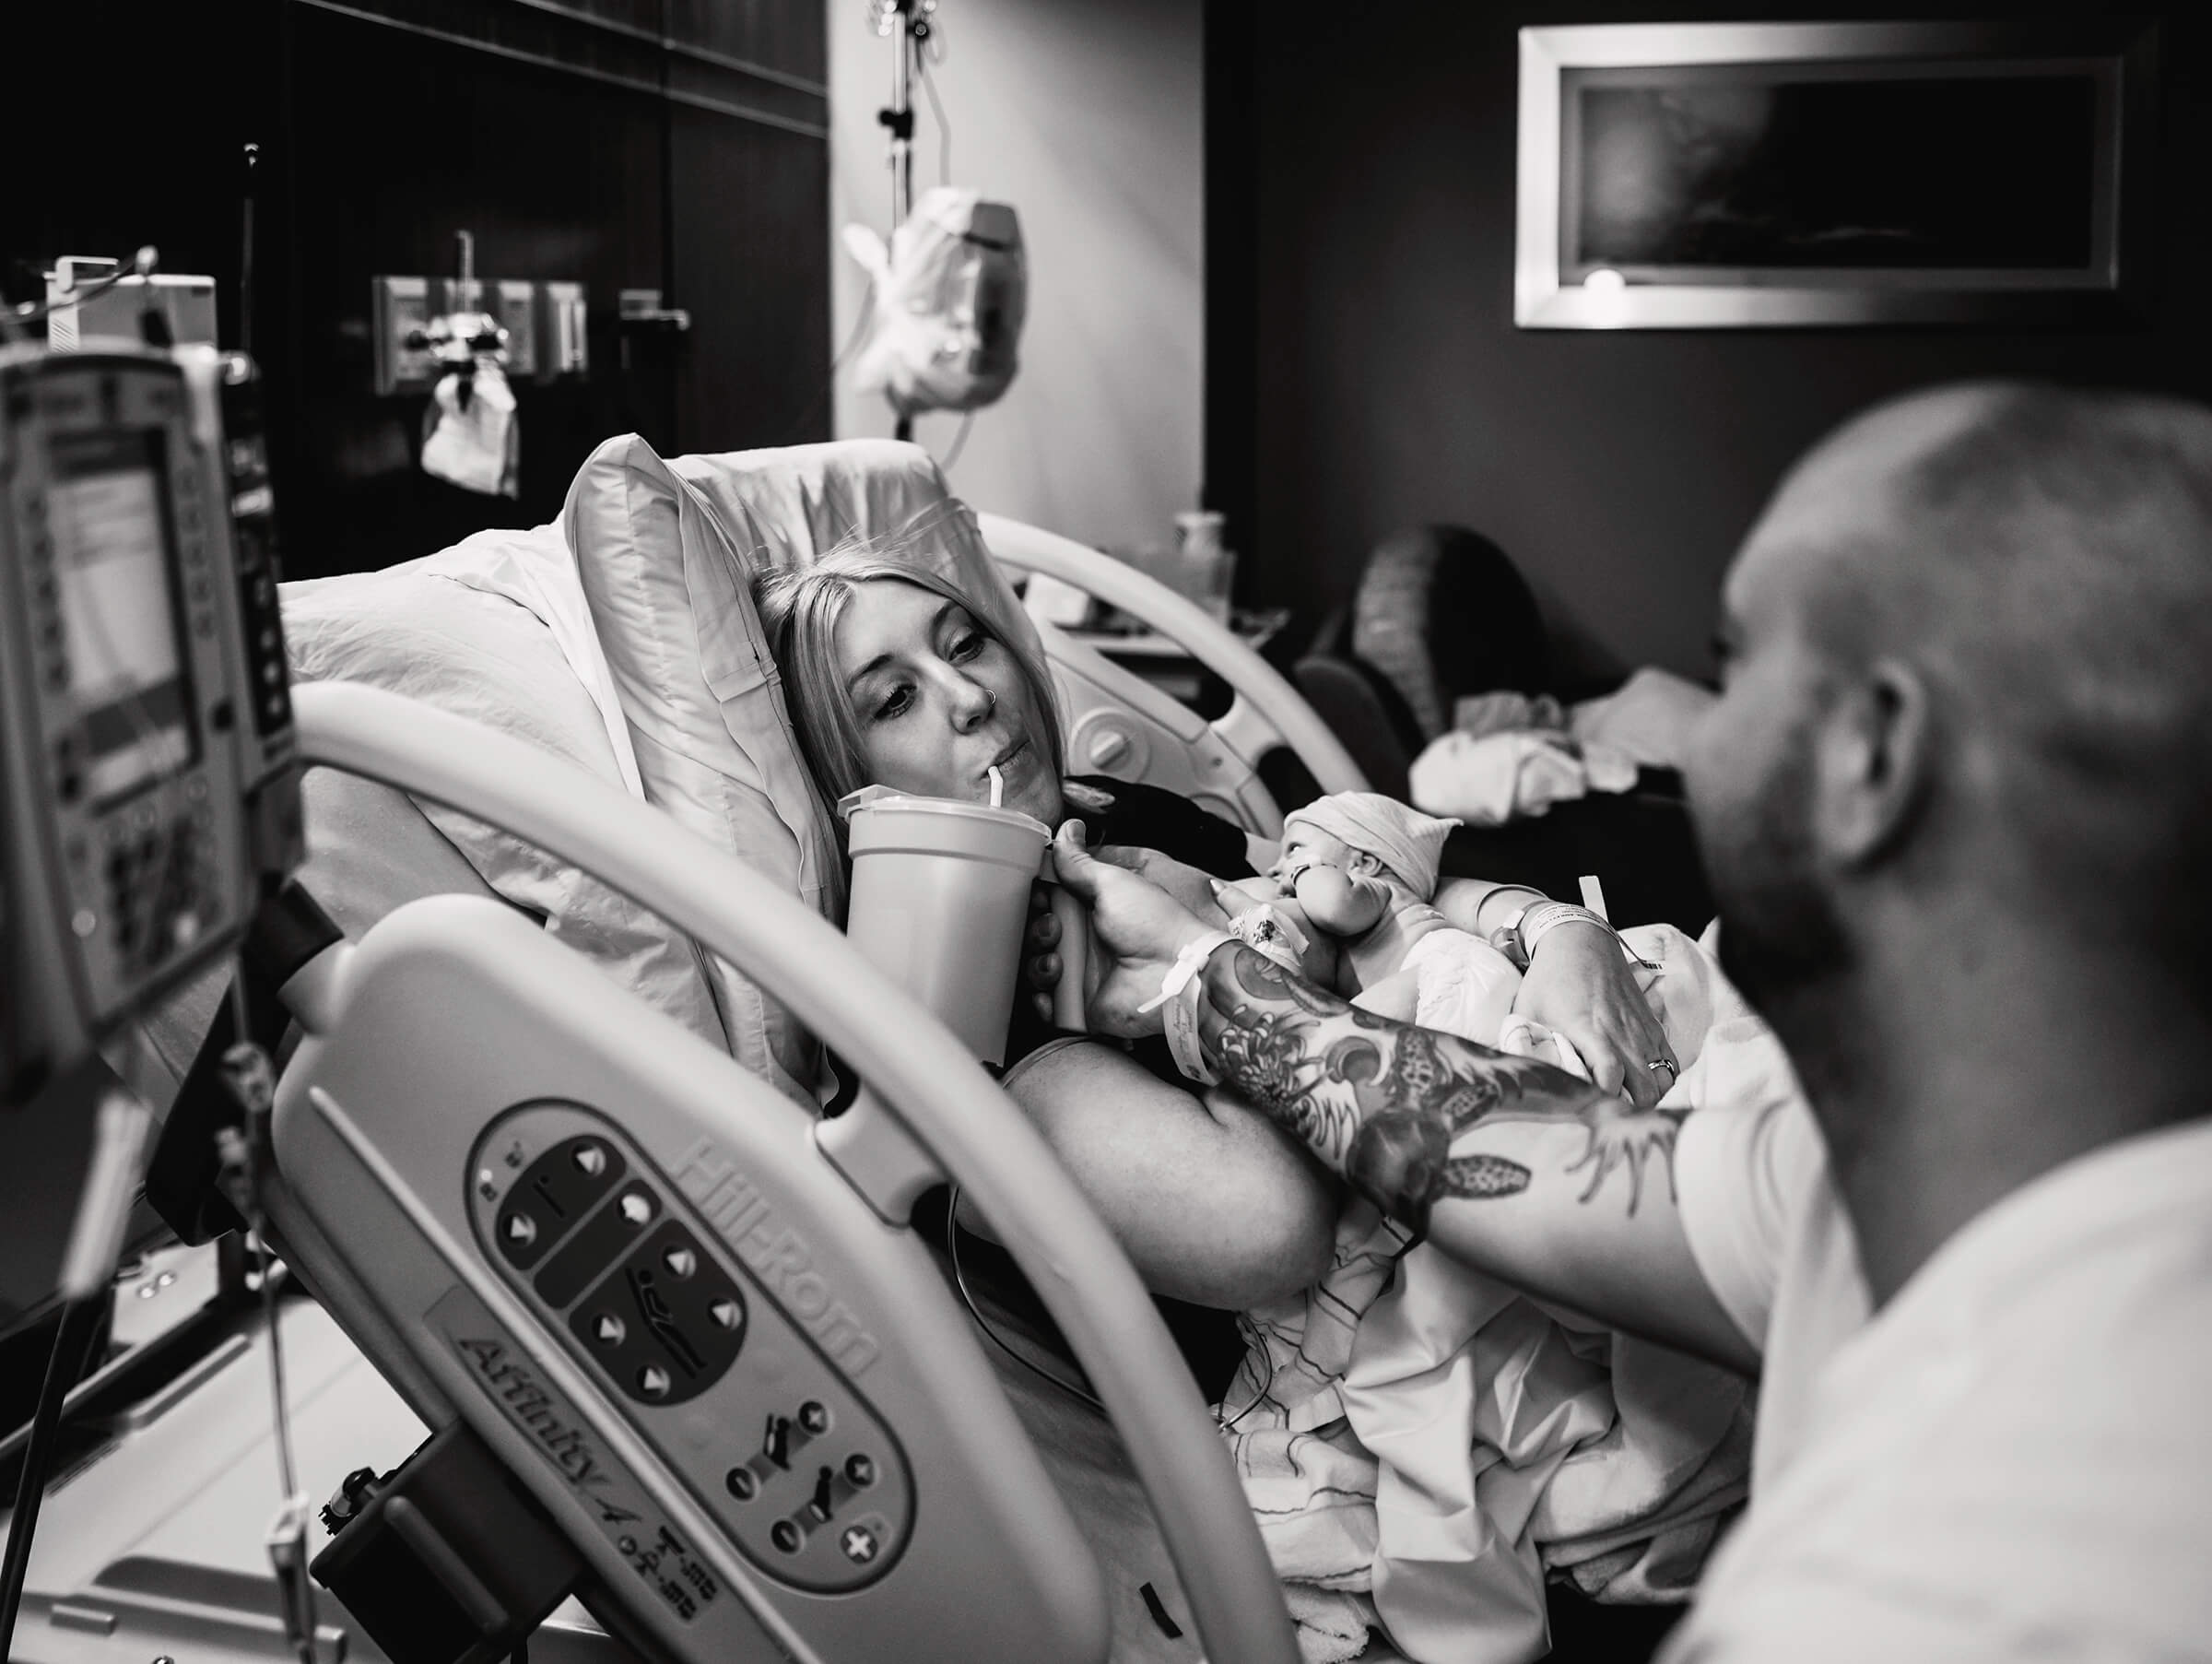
x: 1387, y: 1105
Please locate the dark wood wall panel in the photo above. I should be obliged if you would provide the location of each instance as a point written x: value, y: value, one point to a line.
x: 625, y: 144
x: 557, y: 176
x: 755, y: 94
x: 740, y: 190
x: 771, y: 33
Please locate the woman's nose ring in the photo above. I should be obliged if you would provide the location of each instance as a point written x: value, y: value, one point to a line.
x: 990, y: 700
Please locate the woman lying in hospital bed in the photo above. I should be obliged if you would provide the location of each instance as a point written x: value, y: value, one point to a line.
x: 894, y: 678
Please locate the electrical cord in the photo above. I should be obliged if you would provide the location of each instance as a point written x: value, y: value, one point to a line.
x: 245, y: 256
x: 960, y: 1281
x: 936, y: 106
x: 72, y: 1336
x: 959, y: 443
x: 144, y: 263
x: 87, y: 1279
x: 853, y: 339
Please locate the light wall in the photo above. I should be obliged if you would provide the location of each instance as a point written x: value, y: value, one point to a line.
x: 1087, y: 118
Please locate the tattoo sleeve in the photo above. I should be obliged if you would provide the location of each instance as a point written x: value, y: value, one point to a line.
x: 1385, y: 1105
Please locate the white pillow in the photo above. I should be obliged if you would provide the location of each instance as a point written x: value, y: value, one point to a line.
x: 425, y: 635
x: 790, y: 507
x: 668, y: 551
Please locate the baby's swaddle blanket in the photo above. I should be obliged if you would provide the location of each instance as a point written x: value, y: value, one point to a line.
x: 1421, y: 1445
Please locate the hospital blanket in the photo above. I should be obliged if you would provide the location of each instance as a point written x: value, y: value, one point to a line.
x: 1423, y: 1445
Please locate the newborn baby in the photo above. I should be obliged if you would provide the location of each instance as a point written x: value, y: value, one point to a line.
x: 1348, y: 905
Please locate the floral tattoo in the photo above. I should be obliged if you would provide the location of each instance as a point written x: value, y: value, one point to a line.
x: 1385, y: 1104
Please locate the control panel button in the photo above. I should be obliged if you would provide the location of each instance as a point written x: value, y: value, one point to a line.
x: 605, y: 1237
x: 651, y: 1303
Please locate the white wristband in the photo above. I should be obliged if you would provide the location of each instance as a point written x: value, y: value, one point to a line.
x: 1180, y: 991
x: 1266, y: 931
x: 1182, y: 1029
x: 1539, y: 921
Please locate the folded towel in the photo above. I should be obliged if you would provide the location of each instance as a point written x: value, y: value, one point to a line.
x: 1486, y: 780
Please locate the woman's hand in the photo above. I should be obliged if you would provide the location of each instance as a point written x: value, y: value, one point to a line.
x: 1199, y: 893
x: 1581, y: 984
x: 1041, y: 963
x: 1138, y: 927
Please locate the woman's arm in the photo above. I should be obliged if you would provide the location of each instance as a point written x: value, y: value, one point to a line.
x: 1210, y: 1202
x: 1480, y: 908
x: 1580, y: 982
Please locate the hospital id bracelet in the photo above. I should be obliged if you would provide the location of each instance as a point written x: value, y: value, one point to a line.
x: 1543, y: 918
x: 1266, y: 931
x: 1180, y: 991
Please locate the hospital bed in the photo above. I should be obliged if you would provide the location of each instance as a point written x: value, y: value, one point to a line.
x: 156, y: 1547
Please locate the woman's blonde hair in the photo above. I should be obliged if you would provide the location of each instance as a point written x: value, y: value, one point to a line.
x: 800, y: 607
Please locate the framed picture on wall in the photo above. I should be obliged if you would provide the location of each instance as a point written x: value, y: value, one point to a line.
x: 1712, y: 176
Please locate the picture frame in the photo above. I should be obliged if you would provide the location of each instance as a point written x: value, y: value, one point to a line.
x: 1728, y: 176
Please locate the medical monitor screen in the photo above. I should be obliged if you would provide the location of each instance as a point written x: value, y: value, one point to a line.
x: 119, y: 619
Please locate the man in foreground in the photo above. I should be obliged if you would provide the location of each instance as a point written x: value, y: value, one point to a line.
x: 1955, y: 805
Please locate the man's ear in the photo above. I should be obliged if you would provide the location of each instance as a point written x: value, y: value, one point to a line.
x: 1873, y: 766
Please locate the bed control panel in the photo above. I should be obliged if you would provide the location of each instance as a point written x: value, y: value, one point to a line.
x: 723, y: 1381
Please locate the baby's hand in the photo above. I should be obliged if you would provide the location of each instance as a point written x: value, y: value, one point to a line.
x: 1319, y: 953
x: 1340, y: 903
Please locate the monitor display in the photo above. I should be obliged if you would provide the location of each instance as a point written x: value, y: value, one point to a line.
x: 121, y: 623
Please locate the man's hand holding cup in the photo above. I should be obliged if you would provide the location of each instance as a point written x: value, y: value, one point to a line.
x: 1137, y: 929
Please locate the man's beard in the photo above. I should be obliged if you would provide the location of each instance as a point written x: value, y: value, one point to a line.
x: 1782, y: 938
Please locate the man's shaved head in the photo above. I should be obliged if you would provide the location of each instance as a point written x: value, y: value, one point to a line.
x: 2041, y: 561
x: 2060, y: 540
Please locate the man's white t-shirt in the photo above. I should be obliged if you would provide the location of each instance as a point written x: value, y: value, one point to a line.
x: 2014, y: 1460
x: 1767, y: 1229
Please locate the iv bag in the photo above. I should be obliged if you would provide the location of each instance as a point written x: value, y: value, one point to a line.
x: 950, y: 293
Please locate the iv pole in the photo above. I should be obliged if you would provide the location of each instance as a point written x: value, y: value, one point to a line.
x: 906, y: 21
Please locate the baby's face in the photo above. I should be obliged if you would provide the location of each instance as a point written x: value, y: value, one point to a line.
x: 1305, y: 847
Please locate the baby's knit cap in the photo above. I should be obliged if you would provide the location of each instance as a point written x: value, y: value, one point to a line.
x: 1404, y: 840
